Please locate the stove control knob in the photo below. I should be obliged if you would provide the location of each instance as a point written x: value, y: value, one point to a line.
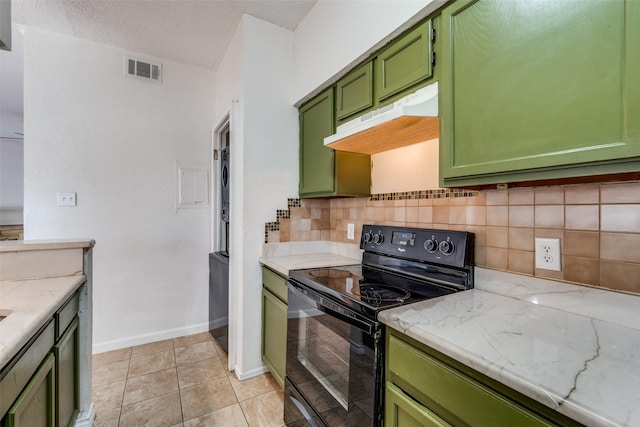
x: 368, y: 237
x: 447, y: 247
x: 431, y: 245
x: 378, y: 238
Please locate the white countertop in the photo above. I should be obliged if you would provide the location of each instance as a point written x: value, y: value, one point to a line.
x: 282, y: 257
x: 35, y: 245
x: 573, y: 348
x: 32, y: 303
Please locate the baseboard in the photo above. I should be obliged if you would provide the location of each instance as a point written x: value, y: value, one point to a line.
x: 250, y: 374
x: 152, y: 337
x: 218, y: 323
x: 86, y: 418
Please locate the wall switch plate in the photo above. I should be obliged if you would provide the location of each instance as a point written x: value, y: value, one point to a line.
x: 350, y: 232
x: 66, y: 199
x: 548, y: 254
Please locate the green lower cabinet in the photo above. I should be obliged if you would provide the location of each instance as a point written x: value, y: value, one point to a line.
x: 35, y: 406
x: 39, y: 386
x: 400, y: 410
x: 325, y: 172
x: 66, y: 352
x: 426, y: 388
x: 532, y: 90
x: 274, y: 324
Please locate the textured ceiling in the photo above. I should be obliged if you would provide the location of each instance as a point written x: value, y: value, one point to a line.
x: 194, y: 32
x: 185, y: 31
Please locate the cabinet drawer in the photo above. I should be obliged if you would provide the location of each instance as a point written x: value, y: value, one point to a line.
x: 67, y: 313
x: 402, y: 411
x: 275, y: 283
x: 455, y: 397
x: 26, y: 362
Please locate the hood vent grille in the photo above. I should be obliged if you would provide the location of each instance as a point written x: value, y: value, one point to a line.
x: 407, y: 121
x: 144, y: 70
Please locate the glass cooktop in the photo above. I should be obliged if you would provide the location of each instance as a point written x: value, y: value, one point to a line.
x: 367, y: 288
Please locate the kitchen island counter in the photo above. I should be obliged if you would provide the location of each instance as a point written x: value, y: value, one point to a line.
x: 36, y: 278
x: 572, y: 348
x: 28, y: 305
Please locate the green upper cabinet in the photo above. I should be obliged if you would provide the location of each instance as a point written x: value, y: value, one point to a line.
x: 536, y: 89
x: 354, y: 92
x: 405, y: 62
x: 323, y: 171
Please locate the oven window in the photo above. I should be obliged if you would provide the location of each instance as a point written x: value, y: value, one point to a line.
x: 332, y: 364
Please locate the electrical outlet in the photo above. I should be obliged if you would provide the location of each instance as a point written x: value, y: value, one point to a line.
x: 350, y: 232
x: 66, y: 199
x: 548, y: 254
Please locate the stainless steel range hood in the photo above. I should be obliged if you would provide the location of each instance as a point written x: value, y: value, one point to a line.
x: 409, y: 120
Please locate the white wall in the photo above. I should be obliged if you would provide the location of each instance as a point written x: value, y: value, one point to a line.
x: 11, y: 181
x: 335, y: 33
x: 411, y: 168
x: 115, y: 141
x: 257, y: 72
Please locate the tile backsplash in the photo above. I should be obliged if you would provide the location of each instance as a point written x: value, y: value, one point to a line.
x: 598, y: 226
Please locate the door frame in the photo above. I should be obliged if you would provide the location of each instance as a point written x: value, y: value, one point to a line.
x: 225, y: 124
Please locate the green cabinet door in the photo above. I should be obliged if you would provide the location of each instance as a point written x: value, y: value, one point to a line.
x: 274, y: 335
x: 66, y: 352
x: 406, y: 62
x: 316, y: 160
x: 401, y: 410
x: 35, y: 407
x: 354, y: 92
x: 535, y: 89
x: 323, y: 171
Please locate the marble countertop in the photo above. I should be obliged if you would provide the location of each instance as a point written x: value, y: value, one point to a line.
x: 282, y: 257
x: 35, y: 245
x: 573, y: 348
x: 29, y: 304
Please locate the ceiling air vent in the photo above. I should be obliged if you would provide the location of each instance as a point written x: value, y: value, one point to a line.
x: 144, y: 70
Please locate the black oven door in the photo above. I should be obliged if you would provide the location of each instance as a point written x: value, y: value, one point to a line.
x: 334, y: 365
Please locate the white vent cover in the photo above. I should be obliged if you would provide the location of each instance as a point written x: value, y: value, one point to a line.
x: 144, y: 70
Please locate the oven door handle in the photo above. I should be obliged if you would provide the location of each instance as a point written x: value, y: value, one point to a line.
x: 328, y: 306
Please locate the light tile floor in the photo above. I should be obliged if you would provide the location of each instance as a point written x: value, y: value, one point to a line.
x: 180, y: 382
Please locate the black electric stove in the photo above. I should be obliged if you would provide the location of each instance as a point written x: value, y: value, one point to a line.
x: 399, y: 266
x: 335, y: 353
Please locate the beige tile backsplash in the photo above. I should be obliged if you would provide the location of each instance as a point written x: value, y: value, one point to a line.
x: 598, y: 224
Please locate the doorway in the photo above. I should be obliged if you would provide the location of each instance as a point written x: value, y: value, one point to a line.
x: 221, y: 242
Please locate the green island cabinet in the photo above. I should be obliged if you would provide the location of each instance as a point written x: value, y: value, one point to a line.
x: 39, y: 386
x: 401, y: 67
x: 274, y: 323
x: 426, y: 388
x: 325, y: 172
x: 532, y: 90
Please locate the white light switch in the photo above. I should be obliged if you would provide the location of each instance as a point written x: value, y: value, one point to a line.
x: 350, y: 232
x: 66, y: 199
